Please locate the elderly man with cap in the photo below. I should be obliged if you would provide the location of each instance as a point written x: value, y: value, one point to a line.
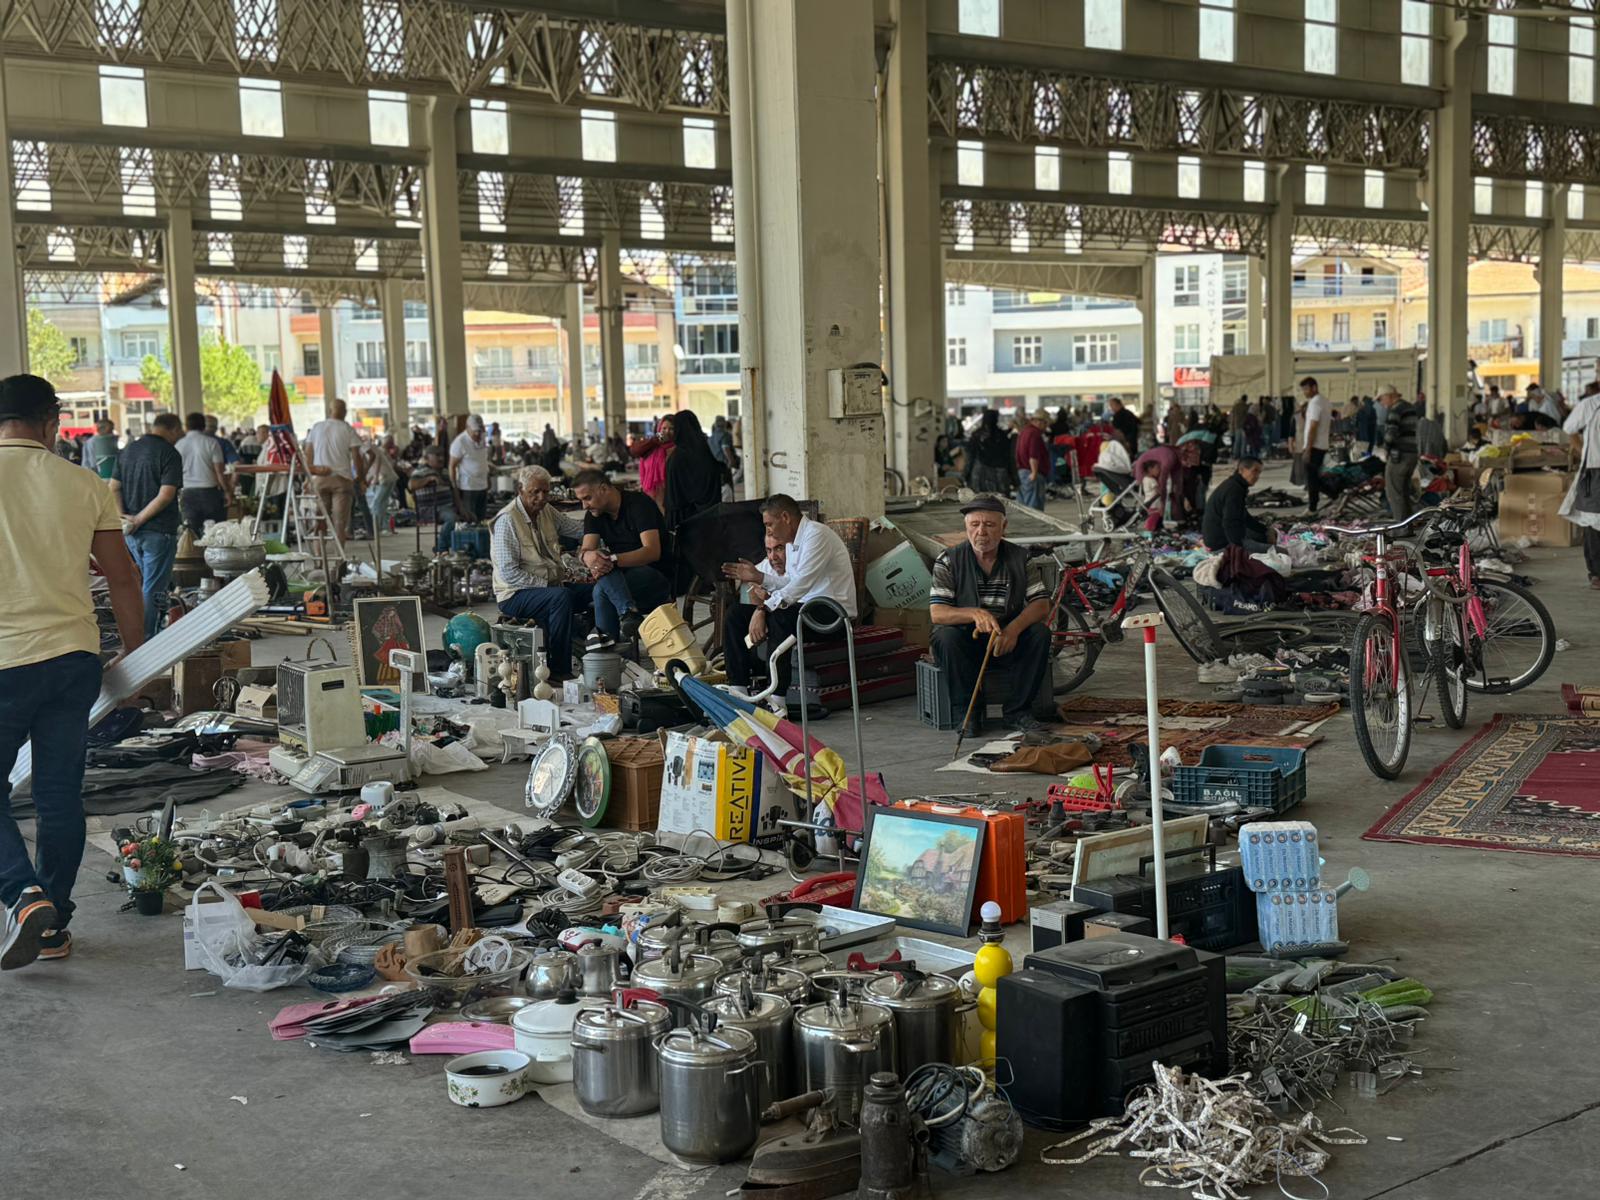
x: 1400, y: 440
x: 989, y: 588
x: 469, y: 469
x: 1033, y: 460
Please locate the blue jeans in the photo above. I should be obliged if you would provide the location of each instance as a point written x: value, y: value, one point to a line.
x: 378, y: 505
x: 552, y: 608
x: 49, y: 702
x: 640, y: 589
x: 1030, y: 489
x: 153, y: 553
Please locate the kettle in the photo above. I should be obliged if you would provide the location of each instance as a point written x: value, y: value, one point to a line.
x: 602, y: 668
x: 552, y: 972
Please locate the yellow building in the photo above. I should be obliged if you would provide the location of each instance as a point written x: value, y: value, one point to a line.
x: 1346, y: 302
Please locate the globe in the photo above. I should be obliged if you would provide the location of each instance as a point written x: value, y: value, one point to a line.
x: 465, y: 632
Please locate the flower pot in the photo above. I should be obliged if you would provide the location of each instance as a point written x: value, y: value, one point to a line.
x: 149, y: 903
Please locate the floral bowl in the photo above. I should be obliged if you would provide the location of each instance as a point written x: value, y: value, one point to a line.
x: 488, y: 1078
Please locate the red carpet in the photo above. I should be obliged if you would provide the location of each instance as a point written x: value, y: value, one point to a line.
x: 1521, y: 783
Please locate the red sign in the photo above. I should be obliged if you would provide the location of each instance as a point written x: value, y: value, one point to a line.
x: 1191, y: 377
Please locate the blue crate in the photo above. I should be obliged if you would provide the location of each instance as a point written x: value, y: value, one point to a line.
x: 1253, y: 776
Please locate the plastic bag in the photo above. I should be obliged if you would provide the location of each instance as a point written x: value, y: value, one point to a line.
x: 226, y: 944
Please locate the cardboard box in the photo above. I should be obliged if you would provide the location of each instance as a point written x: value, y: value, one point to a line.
x: 195, y: 678
x: 900, y: 579
x: 915, y: 623
x: 710, y: 786
x: 1528, y: 509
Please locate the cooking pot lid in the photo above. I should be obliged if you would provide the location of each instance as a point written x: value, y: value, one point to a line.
x: 609, y: 1023
x: 853, y: 1017
x: 693, y: 968
x: 900, y: 992
x: 549, y: 1016
x: 763, y: 1006
x: 691, y: 1048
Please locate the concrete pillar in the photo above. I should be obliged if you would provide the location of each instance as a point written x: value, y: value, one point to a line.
x: 183, y: 323
x: 814, y: 219
x: 1449, y: 226
x: 1150, y: 348
x: 394, y: 358
x: 328, y: 352
x: 13, y: 299
x: 613, y: 375
x: 572, y: 330
x: 441, y: 261
x: 747, y: 250
x: 1550, y: 273
x: 916, y: 369
x: 1280, y: 291
x: 1253, y: 312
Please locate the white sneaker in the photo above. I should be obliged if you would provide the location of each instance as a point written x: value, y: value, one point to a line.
x: 1217, y: 671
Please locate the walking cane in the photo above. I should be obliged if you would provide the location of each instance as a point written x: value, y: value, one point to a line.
x: 977, y: 690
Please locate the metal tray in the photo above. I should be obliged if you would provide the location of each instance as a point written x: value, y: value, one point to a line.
x: 850, y: 927
x: 953, y: 961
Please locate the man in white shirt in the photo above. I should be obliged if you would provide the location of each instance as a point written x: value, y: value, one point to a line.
x: 334, y: 458
x: 817, y: 564
x: 1316, y: 423
x: 205, y: 484
x: 469, y: 469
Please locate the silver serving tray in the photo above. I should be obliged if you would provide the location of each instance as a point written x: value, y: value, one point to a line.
x: 953, y: 961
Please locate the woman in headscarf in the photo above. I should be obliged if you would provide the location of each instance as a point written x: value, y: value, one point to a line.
x: 652, y: 453
x: 694, y: 474
x: 989, y: 456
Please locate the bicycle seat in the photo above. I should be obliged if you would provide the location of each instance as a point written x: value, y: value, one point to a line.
x: 1373, y: 530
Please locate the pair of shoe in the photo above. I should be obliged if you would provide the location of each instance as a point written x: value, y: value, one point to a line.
x: 31, y: 932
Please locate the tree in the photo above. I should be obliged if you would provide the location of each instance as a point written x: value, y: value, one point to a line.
x: 50, y: 354
x: 230, y: 381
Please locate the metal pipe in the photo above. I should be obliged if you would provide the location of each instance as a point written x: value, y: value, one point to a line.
x: 1152, y: 713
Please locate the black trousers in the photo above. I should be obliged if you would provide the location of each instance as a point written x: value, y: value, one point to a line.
x: 1314, y: 477
x: 199, y: 505
x: 475, y: 504
x: 1591, y: 551
x: 741, y: 660
x: 959, y: 656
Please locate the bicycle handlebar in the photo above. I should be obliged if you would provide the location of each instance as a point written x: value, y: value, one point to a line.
x: 1373, y: 530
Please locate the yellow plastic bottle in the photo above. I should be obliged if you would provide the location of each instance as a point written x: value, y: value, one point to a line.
x: 992, y: 963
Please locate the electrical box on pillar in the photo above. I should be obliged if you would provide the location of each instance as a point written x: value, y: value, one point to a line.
x: 856, y: 391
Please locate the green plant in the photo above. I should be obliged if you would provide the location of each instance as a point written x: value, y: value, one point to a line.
x: 50, y: 354
x: 154, y: 861
x: 230, y: 381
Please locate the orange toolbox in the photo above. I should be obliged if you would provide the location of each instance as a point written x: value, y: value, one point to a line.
x: 1002, y: 871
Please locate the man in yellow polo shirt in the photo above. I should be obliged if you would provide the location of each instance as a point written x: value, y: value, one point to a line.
x: 54, y: 518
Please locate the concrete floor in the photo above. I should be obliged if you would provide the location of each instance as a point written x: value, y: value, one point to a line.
x: 118, y: 1065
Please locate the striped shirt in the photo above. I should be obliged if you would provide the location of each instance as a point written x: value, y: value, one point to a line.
x: 994, y: 592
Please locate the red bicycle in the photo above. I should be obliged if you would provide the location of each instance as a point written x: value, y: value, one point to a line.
x: 1081, y: 627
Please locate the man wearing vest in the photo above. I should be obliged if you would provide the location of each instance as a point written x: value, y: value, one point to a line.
x: 990, y: 587
x: 531, y: 580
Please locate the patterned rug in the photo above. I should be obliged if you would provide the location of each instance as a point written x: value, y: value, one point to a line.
x: 1192, y: 725
x: 1521, y: 783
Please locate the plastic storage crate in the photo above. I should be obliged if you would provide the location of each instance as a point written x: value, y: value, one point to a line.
x: 1252, y: 776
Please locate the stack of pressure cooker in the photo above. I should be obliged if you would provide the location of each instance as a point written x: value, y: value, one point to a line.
x: 721, y: 1021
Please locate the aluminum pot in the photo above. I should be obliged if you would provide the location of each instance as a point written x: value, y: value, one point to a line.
x: 811, y: 962
x: 826, y: 983
x: 927, y: 1016
x: 615, y: 1071
x: 709, y: 1088
x: 839, y: 1046
x: 692, y: 980
x: 599, y: 967
x: 776, y: 931
x: 771, y: 1019
x: 767, y: 976
x: 713, y: 941
x: 552, y: 972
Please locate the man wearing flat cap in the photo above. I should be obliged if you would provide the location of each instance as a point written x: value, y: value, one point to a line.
x: 990, y: 588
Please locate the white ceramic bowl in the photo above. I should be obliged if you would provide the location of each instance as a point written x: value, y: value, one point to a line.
x: 487, y: 1091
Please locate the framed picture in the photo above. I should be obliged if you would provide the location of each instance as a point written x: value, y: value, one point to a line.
x: 382, y: 624
x: 920, y: 868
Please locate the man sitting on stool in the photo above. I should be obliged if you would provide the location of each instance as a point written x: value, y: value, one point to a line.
x: 816, y: 564
x: 622, y: 533
x: 990, y: 587
x: 531, y: 580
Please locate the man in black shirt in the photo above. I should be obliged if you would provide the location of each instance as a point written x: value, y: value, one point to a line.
x: 1227, y: 520
x: 622, y: 531
x: 147, y: 478
x: 1126, y: 423
x: 1400, y: 440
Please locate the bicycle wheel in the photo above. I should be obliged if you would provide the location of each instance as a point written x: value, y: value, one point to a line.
x: 1073, y: 649
x: 1520, y: 639
x: 1448, y: 662
x: 1187, y: 620
x: 1262, y: 637
x: 1380, y: 697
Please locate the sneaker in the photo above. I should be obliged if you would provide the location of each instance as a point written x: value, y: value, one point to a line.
x: 55, y: 944
x: 28, y: 921
x: 1217, y: 672
x: 1027, y: 724
x: 631, y: 620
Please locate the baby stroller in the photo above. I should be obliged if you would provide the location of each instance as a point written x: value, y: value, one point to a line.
x: 1118, y: 506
